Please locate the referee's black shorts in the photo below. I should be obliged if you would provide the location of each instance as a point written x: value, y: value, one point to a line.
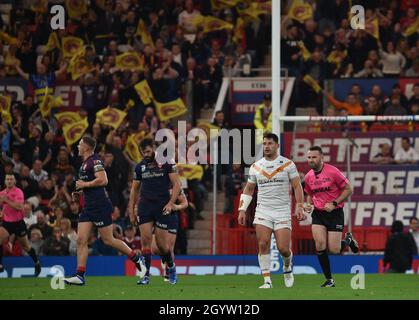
x: 333, y: 221
x: 18, y: 228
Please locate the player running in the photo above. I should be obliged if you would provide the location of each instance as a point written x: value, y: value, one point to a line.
x: 327, y: 189
x: 273, y: 175
x: 12, y: 199
x: 152, y: 182
x: 97, y: 211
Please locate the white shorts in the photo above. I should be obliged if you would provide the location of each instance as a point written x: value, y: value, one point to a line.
x: 271, y: 223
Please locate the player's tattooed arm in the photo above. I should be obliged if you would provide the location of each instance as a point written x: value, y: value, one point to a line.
x: 248, y: 190
x: 133, y: 196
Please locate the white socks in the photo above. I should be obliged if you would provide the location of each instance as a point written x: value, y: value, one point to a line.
x: 287, y: 260
x: 265, y: 266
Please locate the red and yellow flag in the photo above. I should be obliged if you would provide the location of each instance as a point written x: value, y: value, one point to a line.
x: 190, y: 171
x: 129, y: 61
x: 5, y: 109
x: 76, y: 8
x: 49, y: 101
x: 111, y: 117
x: 144, y: 34
x: 210, y: 24
x: 144, y: 92
x: 7, y: 38
x: 373, y: 28
x: 68, y: 117
x: 74, y: 131
x: 132, y: 149
x: 53, y: 41
x: 71, y: 45
x: 300, y: 11
x: 169, y: 110
x: 414, y: 27
x: 304, y: 50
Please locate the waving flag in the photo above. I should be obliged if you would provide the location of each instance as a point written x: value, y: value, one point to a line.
x: 111, y: 117
x: 257, y: 8
x: 300, y: 11
x: 132, y: 149
x: 76, y: 8
x: 7, y: 38
x: 413, y: 28
x: 190, y: 171
x: 68, y: 117
x: 144, y: 92
x: 169, y: 110
x: 53, y: 41
x: 129, y: 61
x: 5, y: 105
x: 74, y: 131
x: 312, y: 83
x: 144, y: 34
x: 304, y: 50
x: 49, y: 102
x: 210, y: 24
x: 373, y: 28
x: 71, y: 45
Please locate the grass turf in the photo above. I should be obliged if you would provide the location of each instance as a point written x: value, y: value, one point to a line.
x: 377, y: 286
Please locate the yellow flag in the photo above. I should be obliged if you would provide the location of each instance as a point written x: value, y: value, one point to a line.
x: 207, y: 127
x: 111, y: 117
x: 169, y: 110
x: 210, y: 24
x: 414, y: 27
x: 144, y: 92
x: 75, y: 8
x: 300, y: 11
x: 132, y: 149
x: 49, y: 101
x: 257, y: 8
x: 129, y: 61
x: 71, y: 45
x: 144, y: 34
x: 68, y: 117
x: 190, y: 171
x: 304, y: 50
x: 53, y: 41
x: 74, y: 131
x: 7, y: 38
x: 5, y: 109
x: 335, y: 57
x: 312, y: 83
x: 373, y: 28
x: 239, y: 30
x: 222, y: 4
x: 5, y: 103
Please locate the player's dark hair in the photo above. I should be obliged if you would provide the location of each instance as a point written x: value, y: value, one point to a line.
x: 91, y: 142
x: 316, y: 148
x: 270, y: 135
x: 413, y: 219
x: 397, y: 226
x: 407, y: 139
x: 147, y: 142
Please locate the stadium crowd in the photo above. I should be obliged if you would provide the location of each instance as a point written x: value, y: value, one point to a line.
x: 174, y: 51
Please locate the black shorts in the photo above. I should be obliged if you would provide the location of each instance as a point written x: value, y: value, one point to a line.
x: 153, y: 212
x: 100, y: 215
x: 333, y: 221
x: 18, y: 228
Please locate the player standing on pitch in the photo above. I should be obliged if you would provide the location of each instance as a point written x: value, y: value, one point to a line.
x: 97, y: 211
x: 152, y: 182
x: 11, y: 199
x: 273, y: 174
x: 327, y: 189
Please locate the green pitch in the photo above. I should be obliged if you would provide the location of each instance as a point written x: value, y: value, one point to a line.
x: 377, y: 286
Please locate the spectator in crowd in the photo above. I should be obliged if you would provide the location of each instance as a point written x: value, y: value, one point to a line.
x: 385, y: 156
x: 396, y: 93
x: 187, y: 16
x: 372, y: 108
x: 37, y: 173
x: 220, y: 121
x: 369, y: 71
x: 233, y: 185
x: 413, y: 71
x: 392, y: 60
x: 131, y: 239
x: 29, y: 186
x: 395, y: 108
x: 42, y: 224
x: 150, y: 121
x: 400, y: 249
x: 56, y: 245
x: 29, y: 216
x: 70, y: 234
x: 263, y: 114
x: 414, y: 230
x: 406, y: 154
x: 211, y: 82
x: 35, y: 240
x: 351, y: 105
x: 415, y: 96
